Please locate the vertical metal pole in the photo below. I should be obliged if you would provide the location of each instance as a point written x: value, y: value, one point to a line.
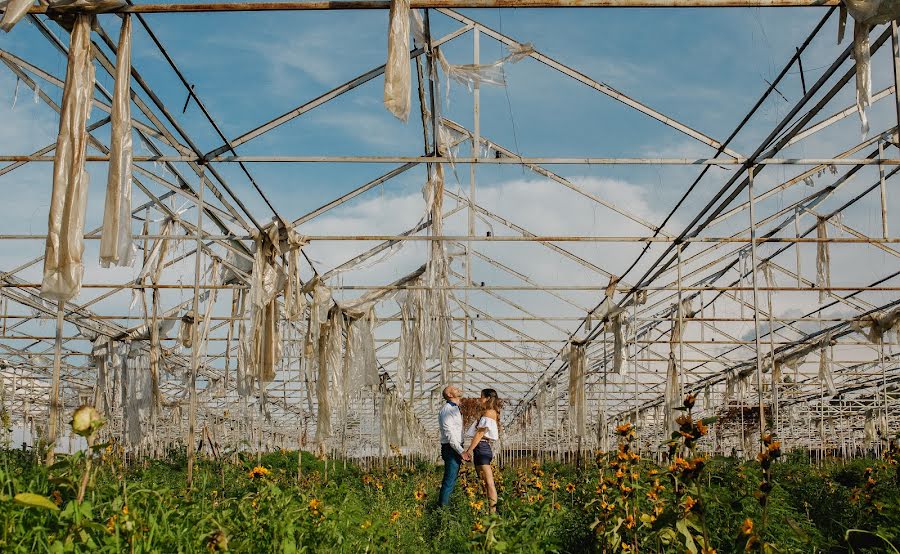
x: 53, y: 424
x: 775, y: 384
x: 883, y: 187
x: 895, y: 42
x: 759, y: 372
x: 195, y: 346
x: 797, y: 246
x: 476, y: 148
x: 680, y: 316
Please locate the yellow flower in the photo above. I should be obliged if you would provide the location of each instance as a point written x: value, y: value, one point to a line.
x: 538, y: 485
x: 258, y: 471
x: 554, y: 485
x: 395, y: 515
x: 419, y: 495
x: 366, y: 524
x: 747, y: 527
x: 478, y: 527
x: 314, y: 506
x: 477, y: 505
x: 689, y: 503
x: 111, y: 523
x: 570, y: 488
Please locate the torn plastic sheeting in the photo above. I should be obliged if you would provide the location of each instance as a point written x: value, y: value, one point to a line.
x: 866, y: 15
x: 397, y: 79
x: 869, y: 428
x: 577, y: 402
x: 263, y: 349
x: 116, y: 247
x: 329, y: 383
x: 618, y: 325
x: 63, y: 264
x: 137, y: 396
x: 471, y: 75
x: 413, y: 338
x: 823, y: 259
x: 826, y: 377
x: 876, y: 325
x: 318, y: 315
x: 364, y: 363
x: 672, y: 393
x: 185, y: 336
x: 14, y: 11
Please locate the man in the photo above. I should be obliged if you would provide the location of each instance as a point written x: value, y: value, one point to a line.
x: 451, y: 430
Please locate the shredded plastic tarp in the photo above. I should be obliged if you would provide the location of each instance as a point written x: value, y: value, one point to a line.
x: 14, y: 11
x: 471, y: 75
x: 363, y: 362
x: 823, y: 259
x: 618, y: 325
x: 866, y: 15
x: 263, y: 349
x: 437, y: 310
x: 876, y: 325
x: 681, y: 314
x: 329, y: 379
x: 577, y: 402
x: 137, y: 396
x: 869, y: 428
x: 185, y: 331
x: 116, y: 246
x: 414, y: 320
x: 826, y: 377
x: 397, y: 79
x: 63, y: 265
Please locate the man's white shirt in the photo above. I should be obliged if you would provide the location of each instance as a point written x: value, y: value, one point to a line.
x: 450, y: 422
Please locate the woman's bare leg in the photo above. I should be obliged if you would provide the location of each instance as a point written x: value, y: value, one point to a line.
x: 487, y: 476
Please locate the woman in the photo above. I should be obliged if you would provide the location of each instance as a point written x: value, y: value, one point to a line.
x: 483, y: 432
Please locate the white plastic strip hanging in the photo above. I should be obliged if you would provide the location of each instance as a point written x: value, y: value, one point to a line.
x: 15, y: 10
x: 116, y: 246
x: 397, y: 79
x: 63, y: 266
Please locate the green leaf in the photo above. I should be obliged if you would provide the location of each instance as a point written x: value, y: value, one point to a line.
x: 682, y: 527
x: 867, y: 539
x: 708, y: 420
x: 35, y: 501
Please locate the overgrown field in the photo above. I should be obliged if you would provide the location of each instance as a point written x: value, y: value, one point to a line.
x: 544, y: 507
x: 617, y: 502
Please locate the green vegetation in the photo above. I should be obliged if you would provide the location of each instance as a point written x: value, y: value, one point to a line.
x: 617, y: 502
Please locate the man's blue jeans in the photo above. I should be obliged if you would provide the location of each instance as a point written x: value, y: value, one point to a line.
x: 452, y: 461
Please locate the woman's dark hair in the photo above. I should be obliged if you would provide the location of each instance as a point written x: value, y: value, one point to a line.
x: 493, y: 401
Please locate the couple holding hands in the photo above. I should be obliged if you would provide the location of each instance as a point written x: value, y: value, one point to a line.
x: 481, y: 434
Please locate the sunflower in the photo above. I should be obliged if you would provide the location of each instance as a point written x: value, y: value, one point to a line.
x: 570, y: 488
x: 689, y: 503
x: 747, y: 527
x: 419, y: 495
x: 258, y: 471
x: 395, y: 515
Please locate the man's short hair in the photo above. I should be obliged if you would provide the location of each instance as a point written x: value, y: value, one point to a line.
x: 446, y: 392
